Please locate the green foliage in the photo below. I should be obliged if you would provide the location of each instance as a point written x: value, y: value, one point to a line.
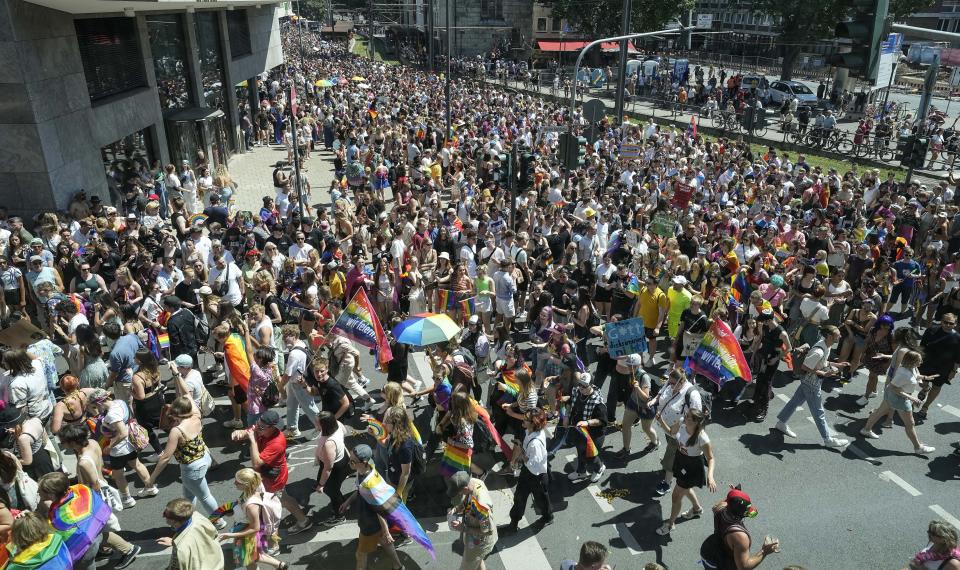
x: 604, y: 18
x: 314, y: 9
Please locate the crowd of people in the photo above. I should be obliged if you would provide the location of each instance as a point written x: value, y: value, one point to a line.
x: 810, y: 269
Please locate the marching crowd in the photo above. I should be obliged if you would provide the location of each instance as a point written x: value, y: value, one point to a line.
x: 808, y: 269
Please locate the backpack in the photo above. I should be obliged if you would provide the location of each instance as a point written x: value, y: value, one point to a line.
x: 271, y: 396
x: 202, y: 327
x: 482, y: 438
x: 270, y: 513
x: 419, y: 459
x: 713, y: 554
x: 706, y: 399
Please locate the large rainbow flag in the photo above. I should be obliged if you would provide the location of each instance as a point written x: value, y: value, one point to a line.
x: 740, y: 288
x: 719, y: 356
x: 48, y: 554
x: 238, y: 363
x: 359, y: 323
x: 385, y: 500
x: 79, y: 518
x: 591, y: 447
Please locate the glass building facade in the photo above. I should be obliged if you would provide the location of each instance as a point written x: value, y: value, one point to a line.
x: 170, y: 62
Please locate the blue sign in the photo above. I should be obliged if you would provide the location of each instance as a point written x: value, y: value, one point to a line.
x: 626, y: 337
x: 892, y: 44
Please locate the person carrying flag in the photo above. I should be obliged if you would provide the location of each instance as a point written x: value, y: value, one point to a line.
x: 588, y: 415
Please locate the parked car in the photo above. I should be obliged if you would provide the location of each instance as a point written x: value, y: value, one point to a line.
x: 784, y: 90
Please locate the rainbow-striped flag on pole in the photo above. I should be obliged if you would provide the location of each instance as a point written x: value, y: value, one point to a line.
x: 719, y: 356
x: 591, y: 450
x: 468, y: 307
x: 359, y: 323
x: 385, y: 500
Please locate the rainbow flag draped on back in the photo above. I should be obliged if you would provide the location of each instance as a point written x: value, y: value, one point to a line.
x: 455, y: 459
x: 238, y: 363
x: 509, y: 379
x: 79, y: 518
x: 484, y: 416
x: 740, y: 289
x: 49, y: 554
x: 719, y: 356
x: 384, y: 499
x: 591, y: 450
x: 359, y: 323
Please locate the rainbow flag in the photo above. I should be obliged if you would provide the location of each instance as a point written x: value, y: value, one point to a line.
x: 223, y: 510
x: 740, y: 289
x: 238, y: 363
x: 480, y: 510
x: 455, y: 459
x: 446, y: 300
x: 634, y: 285
x: 163, y: 339
x: 376, y: 429
x: 48, y: 554
x: 468, y: 307
x: 245, y: 551
x: 194, y: 219
x: 591, y: 450
x: 359, y: 323
x: 79, y: 518
x: 385, y: 500
x: 719, y: 356
x: 485, y: 418
x: 509, y: 379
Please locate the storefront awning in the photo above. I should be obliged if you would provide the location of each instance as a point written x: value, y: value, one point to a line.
x: 544, y: 45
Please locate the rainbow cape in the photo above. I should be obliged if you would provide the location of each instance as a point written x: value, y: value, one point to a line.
x: 591, y: 449
x: 484, y: 416
x: 384, y: 499
x: 740, y: 289
x: 719, y: 356
x: 468, y: 307
x: 79, y: 519
x: 238, y: 363
x: 49, y: 554
x: 359, y: 323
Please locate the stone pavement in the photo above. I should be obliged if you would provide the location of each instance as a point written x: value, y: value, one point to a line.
x: 253, y: 172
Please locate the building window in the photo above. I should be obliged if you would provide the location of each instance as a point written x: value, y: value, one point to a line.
x: 211, y: 59
x: 170, y: 64
x: 238, y: 28
x: 491, y: 9
x: 556, y: 24
x: 541, y: 24
x: 124, y: 158
x: 110, y: 52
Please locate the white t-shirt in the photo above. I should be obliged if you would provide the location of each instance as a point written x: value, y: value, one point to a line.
x: 30, y: 393
x: 117, y: 412
x: 76, y: 321
x: 233, y: 275
x: 673, y: 405
x: 194, y: 382
x: 906, y: 379
x: 695, y: 449
x: 296, y: 362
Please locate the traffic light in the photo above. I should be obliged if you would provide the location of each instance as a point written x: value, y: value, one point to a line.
x: 527, y: 170
x: 866, y: 29
x: 905, y: 149
x: 918, y: 154
x: 581, y: 158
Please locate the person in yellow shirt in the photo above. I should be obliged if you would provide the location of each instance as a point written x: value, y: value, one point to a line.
x: 679, y: 300
x: 652, y: 307
x: 335, y: 281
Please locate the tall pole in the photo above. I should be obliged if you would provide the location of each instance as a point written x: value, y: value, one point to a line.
x: 446, y: 86
x: 430, y: 35
x: 370, y: 17
x: 622, y: 83
x: 296, y: 147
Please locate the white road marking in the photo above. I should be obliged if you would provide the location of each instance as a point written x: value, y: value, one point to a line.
x: 945, y: 515
x: 895, y: 479
x: 629, y: 540
x: 783, y: 397
x: 570, y: 457
x: 526, y: 554
x: 605, y: 505
x: 951, y: 410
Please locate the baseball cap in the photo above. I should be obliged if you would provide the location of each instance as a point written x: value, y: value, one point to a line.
x: 679, y: 280
x: 271, y: 418
x: 36, y: 258
x: 172, y: 301
x: 739, y: 504
x: 632, y: 359
x: 584, y: 378
x: 36, y: 241
x: 363, y: 452
x: 457, y: 482
x: 474, y: 319
x: 184, y: 361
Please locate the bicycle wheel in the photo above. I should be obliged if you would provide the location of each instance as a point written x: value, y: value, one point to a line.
x: 796, y: 137
x: 885, y: 153
x: 842, y: 144
x: 760, y: 131
x: 861, y: 150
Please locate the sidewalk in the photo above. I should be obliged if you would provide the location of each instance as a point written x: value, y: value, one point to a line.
x: 253, y: 172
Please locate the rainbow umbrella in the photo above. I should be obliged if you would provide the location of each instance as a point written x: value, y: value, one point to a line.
x: 426, y: 329
x: 323, y: 83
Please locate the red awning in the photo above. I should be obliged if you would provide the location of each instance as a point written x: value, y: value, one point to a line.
x: 544, y: 45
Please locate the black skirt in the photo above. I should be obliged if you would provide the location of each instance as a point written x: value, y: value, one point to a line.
x: 690, y: 471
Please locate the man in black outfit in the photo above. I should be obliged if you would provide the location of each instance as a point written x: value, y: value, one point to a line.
x: 333, y: 398
x: 182, y: 329
x: 775, y: 342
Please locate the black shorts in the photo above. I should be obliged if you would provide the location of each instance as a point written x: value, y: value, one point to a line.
x: 11, y: 297
x: 122, y: 461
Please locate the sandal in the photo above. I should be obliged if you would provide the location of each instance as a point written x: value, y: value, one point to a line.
x: 690, y: 514
x: 665, y: 529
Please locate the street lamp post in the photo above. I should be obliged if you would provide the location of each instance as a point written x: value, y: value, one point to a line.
x: 446, y: 87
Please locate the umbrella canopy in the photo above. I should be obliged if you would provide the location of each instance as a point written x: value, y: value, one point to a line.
x: 426, y: 329
x: 357, y: 78
x: 323, y: 83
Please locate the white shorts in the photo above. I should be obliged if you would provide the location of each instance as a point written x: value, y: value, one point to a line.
x: 506, y: 307
x: 483, y: 304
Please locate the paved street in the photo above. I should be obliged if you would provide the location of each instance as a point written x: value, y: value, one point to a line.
x: 866, y: 506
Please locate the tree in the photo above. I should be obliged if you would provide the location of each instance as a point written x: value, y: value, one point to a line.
x: 803, y: 23
x: 604, y: 18
x: 313, y: 9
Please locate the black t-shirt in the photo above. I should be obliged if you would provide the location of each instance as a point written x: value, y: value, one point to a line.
x: 397, y: 368
x: 399, y: 456
x: 941, y: 350
x: 331, y: 393
x: 771, y: 342
x: 558, y: 242
x: 187, y: 291
x: 108, y: 267
x: 696, y: 324
x: 282, y: 243
x: 688, y: 245
x: 217, y: 214
x: 367, y: 518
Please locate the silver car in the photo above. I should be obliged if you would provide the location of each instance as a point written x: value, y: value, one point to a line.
x: 784, y: 90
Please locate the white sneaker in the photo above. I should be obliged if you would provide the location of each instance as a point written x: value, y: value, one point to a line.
x: 924, y: 449
x: 149, y: 492
x: 835, y: 442
x: 233, y: 424
x: 128, y: 501
x: 869, y: 434
x: 785, y: 429
x: 596, y: 476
